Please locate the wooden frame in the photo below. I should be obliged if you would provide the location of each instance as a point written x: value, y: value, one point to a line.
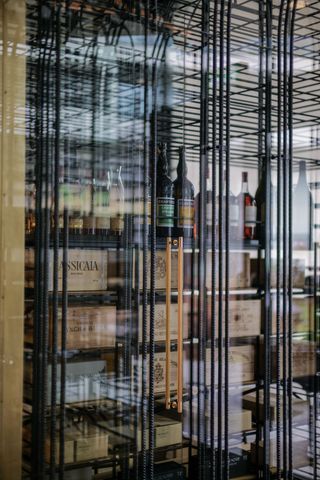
x: 12, y: 223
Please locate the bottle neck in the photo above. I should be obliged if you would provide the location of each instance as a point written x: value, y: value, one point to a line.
x: 302, y: 173
x: 244, y: 188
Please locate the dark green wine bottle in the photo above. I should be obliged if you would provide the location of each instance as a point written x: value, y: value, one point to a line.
x: 184, y: 199
x: 165, y: 199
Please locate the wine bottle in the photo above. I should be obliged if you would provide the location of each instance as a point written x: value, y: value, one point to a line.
x: 73, y: 200
x: 89, y: 224
x: 208, y: 211
x: 101, y: 197
x: 30, y: 215
x: 165, y: 198
x: 302, y: 212
x: 260, y: 198
x: 247, y: 211
x: 234, y: 214
x: 184, y: 198
x: 116, y: 206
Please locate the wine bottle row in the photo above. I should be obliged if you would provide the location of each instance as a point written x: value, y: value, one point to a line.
x: 98, y: 206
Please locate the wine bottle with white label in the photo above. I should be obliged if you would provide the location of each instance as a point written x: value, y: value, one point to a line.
x: 165, y: 198
x: 247, y: 210
x: 233, y: 211
x: 116, y: 203
x: 184, y: 198
x: 302, y: 208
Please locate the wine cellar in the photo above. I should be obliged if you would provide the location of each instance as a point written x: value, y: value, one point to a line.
x: 160, y: 234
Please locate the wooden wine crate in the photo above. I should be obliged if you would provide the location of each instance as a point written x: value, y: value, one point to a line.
x: 87, y: 269
x: 160, y: 269
x: 244, y: 316
x: 239, y: 267
x: 168, y: 431
x: 160, y: 322
x: 87, y: 327
x: 257, y: 272
x: 302, y: 314
x: 242, y: 365
x: 160, y: 372
x: 303, y: 358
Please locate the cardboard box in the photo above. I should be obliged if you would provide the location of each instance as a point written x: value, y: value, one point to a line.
x: 87, y: 269
x: 87, y: 327
x: 257, y: 272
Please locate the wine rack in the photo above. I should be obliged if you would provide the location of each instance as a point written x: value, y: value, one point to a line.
x: 171, y: 311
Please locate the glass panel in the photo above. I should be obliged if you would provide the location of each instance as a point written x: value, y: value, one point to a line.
x: 166, y: 156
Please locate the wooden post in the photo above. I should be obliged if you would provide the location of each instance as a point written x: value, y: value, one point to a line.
x: 12, y: 181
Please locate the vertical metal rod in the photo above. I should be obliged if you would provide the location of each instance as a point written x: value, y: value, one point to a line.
x: 315, y: 383
x: 214, y: 244
x: 180, y: 325
x: 153, y: 160
x: 221, y: 221
x: 146, y: 134
x: 39, y: 387
x: 279, y: 236
x: 290, y: 243
x: 227, y: 246
x: 202, y: 301
x: 285, y: 409
x: 267, y: 241
x: 261, y: 160
x: 168, y: 324
x: 55, y: 300
x: 65, y: 240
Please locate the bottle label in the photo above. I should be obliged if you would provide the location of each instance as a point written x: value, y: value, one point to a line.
x: 185, y: 213
x: 234, y: 215
x: 250, y: 215
x: 165, y: 212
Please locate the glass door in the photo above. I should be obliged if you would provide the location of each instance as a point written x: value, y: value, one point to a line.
x: 167, y: 266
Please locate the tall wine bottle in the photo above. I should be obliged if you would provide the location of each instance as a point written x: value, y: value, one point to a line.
x: 101, y: 194
x: 260, y: 198
x: 247, y: 210
x: 184, y: 198
x: 116, y: 206
x: 165, y: 198
x: 302, y: 212
x: 234, y: 214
